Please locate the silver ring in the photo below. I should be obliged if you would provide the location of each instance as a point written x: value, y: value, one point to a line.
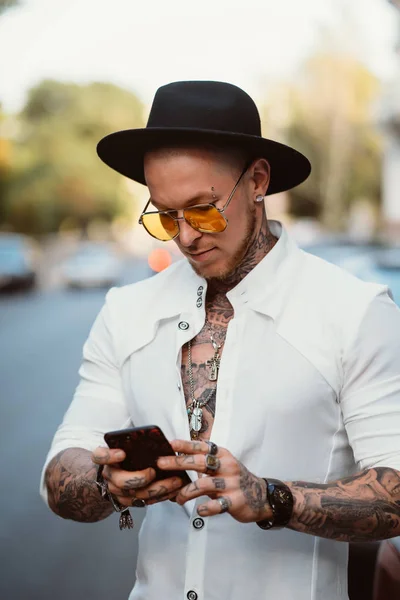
x: 224, y: 504
x: 212, y: 463
x: 213, y: 448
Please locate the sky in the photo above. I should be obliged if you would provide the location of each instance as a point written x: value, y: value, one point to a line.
x: 142, y: 45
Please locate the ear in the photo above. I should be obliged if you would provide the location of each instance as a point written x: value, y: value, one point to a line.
x: 261, y: 175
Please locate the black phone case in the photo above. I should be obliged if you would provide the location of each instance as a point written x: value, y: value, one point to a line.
x: 143, y: 446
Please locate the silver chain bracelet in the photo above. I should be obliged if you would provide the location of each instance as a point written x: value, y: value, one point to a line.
x: 125, y: 519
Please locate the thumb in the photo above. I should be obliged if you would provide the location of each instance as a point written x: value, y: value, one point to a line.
x: 107, y: 456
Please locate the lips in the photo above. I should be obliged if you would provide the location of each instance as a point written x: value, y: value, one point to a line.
x: 203, y: 252
x: 200, y: 256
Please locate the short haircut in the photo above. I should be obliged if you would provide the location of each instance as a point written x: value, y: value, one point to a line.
x: 228, y: 156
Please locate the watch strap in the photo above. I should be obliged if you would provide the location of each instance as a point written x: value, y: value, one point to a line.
x: 280, y: 499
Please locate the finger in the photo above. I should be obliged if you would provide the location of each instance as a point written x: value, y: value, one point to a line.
x: 170, y: 496
x: 159, y: 489
x: 160, y: 496
x: 107, y: 456
x: 191, y: 462
x: 156, y: 488
x: 205, y: 486
x: 129, y: 480
x: 118, y: 492
x: 123, y: 500
x: 213, y: 507
x: 196, y: 447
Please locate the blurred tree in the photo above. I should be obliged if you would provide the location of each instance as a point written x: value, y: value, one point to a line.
x: 328, y: 114
x: 5, y: 165
x: 56, y: 171
x: 5, y: 4
x: 5, y: 145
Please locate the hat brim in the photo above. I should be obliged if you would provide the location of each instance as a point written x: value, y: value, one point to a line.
x: 124, y: 152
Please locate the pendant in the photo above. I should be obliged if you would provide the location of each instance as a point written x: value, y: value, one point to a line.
x: 214, y: 363
x: 125, y: 520
x: 196, y: 419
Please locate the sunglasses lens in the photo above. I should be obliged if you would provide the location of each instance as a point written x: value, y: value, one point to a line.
x: 205, y: 218
x: 161, y: 226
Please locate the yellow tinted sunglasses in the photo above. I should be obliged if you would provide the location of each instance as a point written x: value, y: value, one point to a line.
x: 206, y: 218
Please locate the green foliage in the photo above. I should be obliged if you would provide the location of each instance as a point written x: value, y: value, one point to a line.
x: 56, y: 172
x: 330, y: 120
x: 49, y: 169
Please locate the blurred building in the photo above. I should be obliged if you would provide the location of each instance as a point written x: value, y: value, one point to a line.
x: 391, y: 161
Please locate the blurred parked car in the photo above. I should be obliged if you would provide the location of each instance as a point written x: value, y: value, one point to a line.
x: 381, y: 266
x: 373, y: 262
x: 340, y: 250
x: 19, y: 257
x: 92, y: 265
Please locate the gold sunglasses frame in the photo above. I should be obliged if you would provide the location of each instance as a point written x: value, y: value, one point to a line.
x: 210, y: 204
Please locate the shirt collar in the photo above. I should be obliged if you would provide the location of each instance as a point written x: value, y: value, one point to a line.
x: 264, y: 288
x: 261, y: 289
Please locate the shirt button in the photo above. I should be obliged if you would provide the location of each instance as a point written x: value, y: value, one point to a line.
x: 198, y: 523
x: 183, y: 325
x: 191, y: 595
x: 179, y: 386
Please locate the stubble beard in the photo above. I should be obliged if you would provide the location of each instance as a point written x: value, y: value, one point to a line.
x: 228, y: 271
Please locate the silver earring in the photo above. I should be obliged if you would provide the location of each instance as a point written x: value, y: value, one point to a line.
x: 259, y: 198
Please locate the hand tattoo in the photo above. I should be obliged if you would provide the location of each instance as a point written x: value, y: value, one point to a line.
x: 219, y: 483
x: 134, y: 483
x: 253, y: 489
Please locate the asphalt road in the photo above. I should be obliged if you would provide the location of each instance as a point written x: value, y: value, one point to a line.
x: 42, y: 556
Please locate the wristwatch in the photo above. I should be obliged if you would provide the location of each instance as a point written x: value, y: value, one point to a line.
x: 280, y: 499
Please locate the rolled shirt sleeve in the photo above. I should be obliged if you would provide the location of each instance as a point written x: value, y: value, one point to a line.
x: 370, y: 396
x: 98, y: 404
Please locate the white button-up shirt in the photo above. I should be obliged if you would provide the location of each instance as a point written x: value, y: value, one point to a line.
x: 308, y: 389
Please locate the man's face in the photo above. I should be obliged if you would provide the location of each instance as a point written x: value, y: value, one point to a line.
x: 178, y: 180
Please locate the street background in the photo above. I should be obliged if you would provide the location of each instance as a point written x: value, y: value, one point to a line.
x: 42, y: 556
x: 325, y: 76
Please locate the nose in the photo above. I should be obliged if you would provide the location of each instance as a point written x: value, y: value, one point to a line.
x: 187, y: 235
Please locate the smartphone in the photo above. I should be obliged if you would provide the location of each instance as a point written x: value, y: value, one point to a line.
x: 143, y: 446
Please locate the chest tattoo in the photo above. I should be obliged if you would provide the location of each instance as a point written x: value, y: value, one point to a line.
x: 201, y: 360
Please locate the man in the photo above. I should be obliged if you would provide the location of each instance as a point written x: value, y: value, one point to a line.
x: 276, y: 375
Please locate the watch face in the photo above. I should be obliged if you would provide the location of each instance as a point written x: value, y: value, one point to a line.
x: 281, y: 502
x: 282, y: 496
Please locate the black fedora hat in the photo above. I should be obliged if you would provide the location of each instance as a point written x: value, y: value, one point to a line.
x: 203, y: 112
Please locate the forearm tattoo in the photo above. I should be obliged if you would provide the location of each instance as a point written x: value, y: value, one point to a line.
x: 365, y: 507
x: 72, y: 491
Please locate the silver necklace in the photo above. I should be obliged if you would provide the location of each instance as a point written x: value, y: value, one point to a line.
x: 195, y: 408
x: 215, y: 361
